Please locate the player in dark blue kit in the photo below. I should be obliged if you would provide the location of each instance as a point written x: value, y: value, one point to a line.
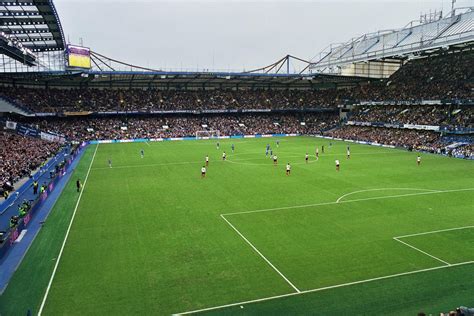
x: 278, y: 143
x: 142, y: 153
x: 267, y: 149
x: 233, y: 147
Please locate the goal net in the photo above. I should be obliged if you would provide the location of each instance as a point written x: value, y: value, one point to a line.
x: 207, y: 134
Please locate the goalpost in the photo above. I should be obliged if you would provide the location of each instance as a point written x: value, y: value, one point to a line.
x: 207, y: 134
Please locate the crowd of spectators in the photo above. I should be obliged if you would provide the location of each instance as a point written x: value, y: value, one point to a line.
x: 437, y: 78
x: 144, y: 100
x: 407, y: 138
x: 439, y: 115
x: 443, y: 77
x: 466, y: 151
x: 459, y: 311
x: 19, y: 156
x: 80, y: 129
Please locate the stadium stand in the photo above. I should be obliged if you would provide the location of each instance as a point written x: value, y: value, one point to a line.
x: 412, y: 95
x: 21, y: 155
x: 79, y: 129
x: 465, y: 151
x: 455, y: 116
x: 409, y: 139
x: 438, y: 78
x: 62, y: 100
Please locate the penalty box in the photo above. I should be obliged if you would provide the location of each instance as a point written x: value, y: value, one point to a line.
x: 335, y: 243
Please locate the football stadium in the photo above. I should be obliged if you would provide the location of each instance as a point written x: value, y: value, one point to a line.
x: 343, y: 186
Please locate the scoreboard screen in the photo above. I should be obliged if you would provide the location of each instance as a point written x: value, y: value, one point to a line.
x: 78, y: 57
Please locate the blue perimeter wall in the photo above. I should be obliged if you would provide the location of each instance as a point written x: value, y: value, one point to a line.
x: 144, y: 140
x: 14, y: 248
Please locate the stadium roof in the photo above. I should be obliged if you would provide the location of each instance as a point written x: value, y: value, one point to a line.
x: 34, y: 23
x: 436, y: 33
x: 177, y: 80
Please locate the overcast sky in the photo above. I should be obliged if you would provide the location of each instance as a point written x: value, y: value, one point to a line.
x: 228, y: 34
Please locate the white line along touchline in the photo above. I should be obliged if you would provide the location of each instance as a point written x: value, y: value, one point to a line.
x: 66, y: 236
x: 423, y: 252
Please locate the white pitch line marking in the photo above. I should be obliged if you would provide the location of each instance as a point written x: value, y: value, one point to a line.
x: 238, y: 162
x: 160, y: 164
x: 423, y: 252
x: 261, y: 255
x: 383, y: 189
x: 347, y: 201
x: 152, y: 165
x: 228, y: 160
x: 435, y: 231
x: 243, y: 161
x: 66, y: 236
x: 326, y: 288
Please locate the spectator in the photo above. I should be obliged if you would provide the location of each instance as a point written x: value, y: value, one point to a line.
x: 19, y: 156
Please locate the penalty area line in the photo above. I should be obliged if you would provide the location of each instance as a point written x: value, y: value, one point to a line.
x: 346, y: 201
x: 261, y: 255
x: 66, y: 236
x: 326, y: 288
x: 427, y: 233
x: 383, y: 189
x: 423, y: 252
x: 435, y: 231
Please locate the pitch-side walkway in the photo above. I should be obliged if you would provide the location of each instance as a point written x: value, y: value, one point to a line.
x: 10, y: 262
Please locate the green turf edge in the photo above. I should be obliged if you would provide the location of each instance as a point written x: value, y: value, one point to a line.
x: 26, y: 289
x: 431, y: 292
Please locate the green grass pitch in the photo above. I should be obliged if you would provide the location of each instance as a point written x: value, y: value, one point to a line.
x: 150, y: 236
